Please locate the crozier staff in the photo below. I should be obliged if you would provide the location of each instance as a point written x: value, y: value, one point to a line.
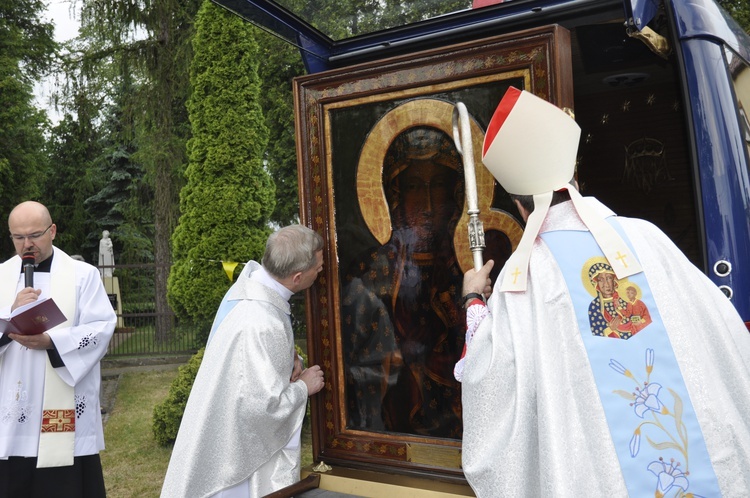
x: 462, y: 137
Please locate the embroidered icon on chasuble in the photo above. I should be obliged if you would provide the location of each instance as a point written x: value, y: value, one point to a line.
x: 652, y: 421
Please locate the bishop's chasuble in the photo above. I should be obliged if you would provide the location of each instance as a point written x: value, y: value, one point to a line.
x: 586, y: 385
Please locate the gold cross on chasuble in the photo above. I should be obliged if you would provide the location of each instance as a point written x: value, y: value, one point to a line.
x: 59, y: 421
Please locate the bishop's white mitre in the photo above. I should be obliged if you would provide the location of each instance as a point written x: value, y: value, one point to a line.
x: 530, y: 148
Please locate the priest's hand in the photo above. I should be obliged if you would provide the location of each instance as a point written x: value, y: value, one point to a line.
x: 297, y: 371
x: 479, y: 281
x: 39, y: 341
x: 26, y: 296
x: 313, y: 379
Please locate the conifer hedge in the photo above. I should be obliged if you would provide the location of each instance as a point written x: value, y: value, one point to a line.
x: 229, y: 196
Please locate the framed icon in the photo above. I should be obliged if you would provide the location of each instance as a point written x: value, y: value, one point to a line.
x: 382, y: 181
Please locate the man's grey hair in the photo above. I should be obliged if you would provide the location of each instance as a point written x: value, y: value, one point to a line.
x: 291, y: 250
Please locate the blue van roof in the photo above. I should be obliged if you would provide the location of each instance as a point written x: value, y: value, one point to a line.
x: 321, y: 50
x: 704, y: 19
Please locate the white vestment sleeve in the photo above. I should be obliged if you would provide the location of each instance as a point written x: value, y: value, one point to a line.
x: 82, y: 345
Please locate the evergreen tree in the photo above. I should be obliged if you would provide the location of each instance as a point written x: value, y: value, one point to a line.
x: 70, y: 179
x: 26, y: 50
x: 22, y: 158
x: 280, y: 62
x: 151, y: 39
x: 121, y: 204
x: 229, y: 195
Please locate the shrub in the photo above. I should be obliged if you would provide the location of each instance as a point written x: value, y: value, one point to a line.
x: 168, y: 414
x: 229, y: 195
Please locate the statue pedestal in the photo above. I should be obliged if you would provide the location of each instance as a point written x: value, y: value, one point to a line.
x: 112, y: 286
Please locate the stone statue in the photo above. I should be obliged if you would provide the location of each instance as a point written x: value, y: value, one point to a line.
x: 106, y: 255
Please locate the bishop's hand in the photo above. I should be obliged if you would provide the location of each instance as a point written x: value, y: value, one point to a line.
x: 478, y: 281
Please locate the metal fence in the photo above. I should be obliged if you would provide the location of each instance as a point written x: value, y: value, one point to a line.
x: 132, y: 293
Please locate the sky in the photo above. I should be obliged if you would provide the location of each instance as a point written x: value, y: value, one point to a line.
x: 66, y: 27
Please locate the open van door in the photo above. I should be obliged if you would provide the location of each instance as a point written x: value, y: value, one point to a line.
x: 661, y: 90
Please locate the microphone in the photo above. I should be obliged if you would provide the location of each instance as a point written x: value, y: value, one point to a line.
x: 28, y: 269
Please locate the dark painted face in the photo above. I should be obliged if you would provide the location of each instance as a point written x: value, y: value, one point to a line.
x: 427, y: 200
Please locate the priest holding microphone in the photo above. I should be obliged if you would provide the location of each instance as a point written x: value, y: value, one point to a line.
x: 50, y: 419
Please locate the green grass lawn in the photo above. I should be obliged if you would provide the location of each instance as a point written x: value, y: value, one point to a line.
x: 134, y: 465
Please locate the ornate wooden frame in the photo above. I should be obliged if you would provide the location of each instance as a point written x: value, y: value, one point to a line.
x: 475, y: 72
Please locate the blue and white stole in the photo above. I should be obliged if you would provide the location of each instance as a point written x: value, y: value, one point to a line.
x: 227, y: 305
x: 654, y: 428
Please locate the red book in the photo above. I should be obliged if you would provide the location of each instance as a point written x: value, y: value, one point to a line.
x: 32, y: 319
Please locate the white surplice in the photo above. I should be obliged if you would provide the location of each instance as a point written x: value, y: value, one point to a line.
x: 534, y: 424
x: 81, y: 346
x: 243, y: 410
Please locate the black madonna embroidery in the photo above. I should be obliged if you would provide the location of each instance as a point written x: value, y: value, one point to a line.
x: 617, y: 310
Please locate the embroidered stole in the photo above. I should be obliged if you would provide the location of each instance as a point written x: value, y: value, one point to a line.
x: 654, y: 428
x: 57, y: 437
x: 225, y: 307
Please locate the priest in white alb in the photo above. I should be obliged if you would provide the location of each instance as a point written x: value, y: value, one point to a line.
x: 50, y: 418
x: 240, y: 433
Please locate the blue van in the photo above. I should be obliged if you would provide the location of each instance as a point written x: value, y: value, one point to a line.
x: 660, y: 88
x: 691, y: 50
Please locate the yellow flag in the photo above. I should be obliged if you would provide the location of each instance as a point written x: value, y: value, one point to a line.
x: 229, y: 267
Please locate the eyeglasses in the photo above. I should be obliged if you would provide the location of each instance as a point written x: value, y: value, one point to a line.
x: 31, y: 236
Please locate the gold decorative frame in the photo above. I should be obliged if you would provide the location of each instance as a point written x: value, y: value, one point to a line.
x: 335, y: 112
